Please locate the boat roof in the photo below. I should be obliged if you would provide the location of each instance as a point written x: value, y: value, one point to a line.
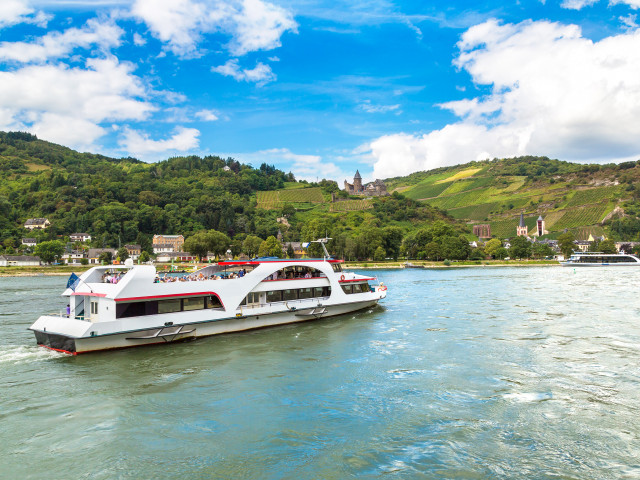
x: 259, y: 260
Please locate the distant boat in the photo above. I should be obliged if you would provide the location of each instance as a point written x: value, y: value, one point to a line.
x: 411, y: 265
x: 597, y: 259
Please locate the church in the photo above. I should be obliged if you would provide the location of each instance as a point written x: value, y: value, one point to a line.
x: 372, y: 189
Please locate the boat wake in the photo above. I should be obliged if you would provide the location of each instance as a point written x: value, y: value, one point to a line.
x: 17, y: 354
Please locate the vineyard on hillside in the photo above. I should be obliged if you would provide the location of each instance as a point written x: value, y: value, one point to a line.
x: 351, y: 205
x: 276, y: 199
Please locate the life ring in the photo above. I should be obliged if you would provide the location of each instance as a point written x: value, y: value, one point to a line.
x: 382, y: 288
x: 342, y: 277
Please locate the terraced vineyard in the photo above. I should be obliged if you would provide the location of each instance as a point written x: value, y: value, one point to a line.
x: 488, y: 192
x: 276, y: 199
x: 350, y: 205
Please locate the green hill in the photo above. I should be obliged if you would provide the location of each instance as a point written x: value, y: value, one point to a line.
x: 567, y: 195
x: 120, y: 201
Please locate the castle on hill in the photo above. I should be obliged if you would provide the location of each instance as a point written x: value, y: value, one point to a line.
x: 372, y: 189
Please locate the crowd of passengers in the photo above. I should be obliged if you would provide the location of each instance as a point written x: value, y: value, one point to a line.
x: 199, y: 277
x: 110, y: 277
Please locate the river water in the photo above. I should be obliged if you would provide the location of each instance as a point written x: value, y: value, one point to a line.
x: 461, y: 373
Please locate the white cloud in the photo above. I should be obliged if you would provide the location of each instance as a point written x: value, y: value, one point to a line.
x: 368, y: 107
x: 554, y: 93
x: 207, y: 115
x: 139, y: 40
x: 141, y: 146
x: 19, y: 11
x: 303, y: 166
x: 67, y: 105
x: 635, y: 4
x: 253, y: 25
x: 577, y: 4
x: 261, y: 74
x: 55, y: 44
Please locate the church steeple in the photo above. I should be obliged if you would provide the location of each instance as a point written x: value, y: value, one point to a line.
x: 522, y: 230
x: 357, y: 175
x: 521, y: 220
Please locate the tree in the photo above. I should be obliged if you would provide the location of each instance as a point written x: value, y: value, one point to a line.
x: 541, y: 250
x: 271, y: 247
x: 455, y: 247
x: 144, y: 257
x: 105, y: 257
x: 290, y: 251
x: 565, y: 242
x: 218, y: 242
x: 608, y: 246
x: 379, y: 254
x: 391, y: 241
x: 123, y: 254
x: 49, y: 251
x: 492, y: 246
x: 520, y: 248
x: 197, y: 244
x: 501, y: 253
x: 477, y: 254
x: 251, y: 245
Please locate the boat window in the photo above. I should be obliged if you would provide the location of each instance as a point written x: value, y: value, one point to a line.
x: 274, y: 296
x: 136, y: 309
x: 356, y: 288
x: 194, y: 303
x: 337, y: 267
x: 94, y: 308
x: 305, y: 293
x: 213, y: 302
x: 169, y: 306
x: 289, y: 295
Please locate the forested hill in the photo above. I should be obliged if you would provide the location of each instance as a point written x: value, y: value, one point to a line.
x: 121, y: 201
x: 585, y: 199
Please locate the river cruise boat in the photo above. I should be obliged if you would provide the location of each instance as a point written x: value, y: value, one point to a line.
x: 119, y: 306
x: 597, y: 259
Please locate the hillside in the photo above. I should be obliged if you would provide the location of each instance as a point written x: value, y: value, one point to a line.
x: 568, y: 196
x: 121, y: 201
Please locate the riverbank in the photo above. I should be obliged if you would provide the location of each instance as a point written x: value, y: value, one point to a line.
x: 460, y: 264
x: 65, y: 270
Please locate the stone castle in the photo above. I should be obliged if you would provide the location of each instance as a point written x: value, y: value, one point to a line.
x: 372, y: 189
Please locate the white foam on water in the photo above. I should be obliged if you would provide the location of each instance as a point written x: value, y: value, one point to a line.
x: 16, y: 354
x: 529, y: 397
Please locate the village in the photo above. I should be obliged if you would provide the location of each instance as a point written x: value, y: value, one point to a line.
x: 169, y: 249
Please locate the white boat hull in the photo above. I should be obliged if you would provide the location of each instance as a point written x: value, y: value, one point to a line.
x: 179, y: 332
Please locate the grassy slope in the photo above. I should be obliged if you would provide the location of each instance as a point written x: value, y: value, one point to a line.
x: 568, y: 196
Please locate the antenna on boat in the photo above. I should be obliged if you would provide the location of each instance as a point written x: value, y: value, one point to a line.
x: 322, y: 242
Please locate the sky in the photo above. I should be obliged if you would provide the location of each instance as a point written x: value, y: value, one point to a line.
x: 322, y: 88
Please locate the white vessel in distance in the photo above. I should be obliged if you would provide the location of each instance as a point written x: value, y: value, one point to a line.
x: 598, y: 259
x: 119, y: 306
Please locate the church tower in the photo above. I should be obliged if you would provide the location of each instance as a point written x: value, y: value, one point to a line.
x: 522, y: 230
x: 357, y: 183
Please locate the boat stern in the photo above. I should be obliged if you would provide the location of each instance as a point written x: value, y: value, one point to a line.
x: 59, y: 332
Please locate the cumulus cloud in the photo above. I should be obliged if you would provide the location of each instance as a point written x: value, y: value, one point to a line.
x: 207, y: 115
x: 261, y: 74
x: 141, y: 146
x: 66, y: 104
x: 18, y: 11
x: 55, y: 44
x: 252, y: 25
x: 554, y: 93
x: 303, y: 166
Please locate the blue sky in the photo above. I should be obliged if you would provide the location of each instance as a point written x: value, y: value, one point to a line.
x: 325, y: 88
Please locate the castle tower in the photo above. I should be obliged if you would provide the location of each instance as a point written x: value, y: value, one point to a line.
x: 357, y: 183
x: 522, y: 230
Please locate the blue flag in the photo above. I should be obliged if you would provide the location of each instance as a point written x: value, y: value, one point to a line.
x: 73, y: 281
